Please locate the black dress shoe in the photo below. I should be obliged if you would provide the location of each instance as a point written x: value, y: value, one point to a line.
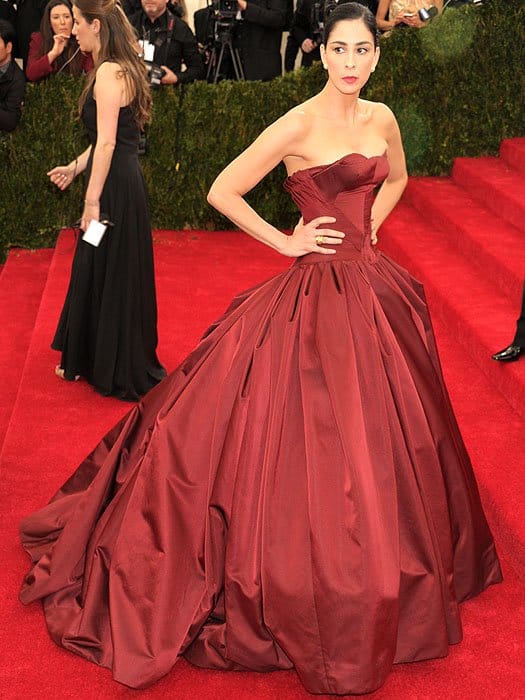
x: 509, y: 354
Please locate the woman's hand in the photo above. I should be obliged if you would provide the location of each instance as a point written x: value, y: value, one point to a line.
x: 308, y: 238
x: 62, y: 176
x: 411, y: 19
x: 60, y: 42
x: 91, y: 211
x: 373, y: 233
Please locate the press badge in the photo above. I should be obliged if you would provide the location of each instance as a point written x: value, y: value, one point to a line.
x: 148, y: 49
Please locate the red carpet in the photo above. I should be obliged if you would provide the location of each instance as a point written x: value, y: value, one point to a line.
x: 459, y: 250
x: 21, y: 283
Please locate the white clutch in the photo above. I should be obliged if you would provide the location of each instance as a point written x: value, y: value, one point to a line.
x: 94, y: 232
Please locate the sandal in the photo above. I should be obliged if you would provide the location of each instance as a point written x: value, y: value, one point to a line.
x: 60, y: 372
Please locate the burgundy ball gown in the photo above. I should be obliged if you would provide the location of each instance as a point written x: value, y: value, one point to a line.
x: 295, y: 494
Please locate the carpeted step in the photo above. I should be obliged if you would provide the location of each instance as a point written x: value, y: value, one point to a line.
x: 493, y: 433
x: 21, y: 284
x: 496, y: 248
x: 495, y: 184
x: 512, y: 151
x: 482, y: 320
x: 484, y: 414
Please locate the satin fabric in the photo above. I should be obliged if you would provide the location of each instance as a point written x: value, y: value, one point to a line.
x: 295, y: 494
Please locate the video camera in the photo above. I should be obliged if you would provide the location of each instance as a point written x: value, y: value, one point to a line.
x: 225, y: 10
x: 216, y: 28
x: 155, y: 73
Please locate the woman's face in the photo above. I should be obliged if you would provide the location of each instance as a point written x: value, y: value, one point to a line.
x: 86, y: 33
x: 61, y: 20
x: 349, y: 55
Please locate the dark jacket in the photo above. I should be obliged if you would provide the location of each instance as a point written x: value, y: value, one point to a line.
x: 260, y: 38
x: 171, y: 52
x: 28, y: 17
x: 12, y: 91
x: 306, y: 25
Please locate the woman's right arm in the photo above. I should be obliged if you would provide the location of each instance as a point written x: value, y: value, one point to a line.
x: 247, y: 170
x: 382, y: 13
x: 63, y: 175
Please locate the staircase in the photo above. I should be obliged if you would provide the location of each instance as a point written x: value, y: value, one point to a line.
x: 464, y: 237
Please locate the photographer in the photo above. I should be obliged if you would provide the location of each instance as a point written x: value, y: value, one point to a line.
x: 306, y: 29
x: 260, y: 37
x: 308, y: 23
x: 167, y: 42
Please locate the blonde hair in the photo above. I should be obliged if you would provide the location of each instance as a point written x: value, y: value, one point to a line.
x: 118, y: 43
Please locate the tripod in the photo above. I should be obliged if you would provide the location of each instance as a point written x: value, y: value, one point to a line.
x: 223, y: 42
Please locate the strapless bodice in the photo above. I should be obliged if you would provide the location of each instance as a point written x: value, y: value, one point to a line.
x: 343, y: 189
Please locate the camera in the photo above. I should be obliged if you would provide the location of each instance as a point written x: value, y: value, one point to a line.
x: 225, y: 9
x: 216, y: 28
x: 426, y: 14
x: 155, y: 74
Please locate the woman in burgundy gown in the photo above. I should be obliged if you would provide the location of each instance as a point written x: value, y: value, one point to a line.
x: 296, y: 493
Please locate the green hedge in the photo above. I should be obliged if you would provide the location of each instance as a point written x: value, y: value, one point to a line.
x: 454, y: 86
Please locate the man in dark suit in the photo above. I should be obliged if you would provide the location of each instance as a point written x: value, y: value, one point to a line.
x: 12, y: 80
x: 307, y: 28
x: 517, y: 348
x: 260, y: 37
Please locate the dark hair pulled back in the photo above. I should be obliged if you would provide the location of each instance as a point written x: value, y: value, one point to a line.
x: 338, y: 12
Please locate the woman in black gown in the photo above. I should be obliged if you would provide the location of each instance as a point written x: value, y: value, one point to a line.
x: 107, y: 331
x: 296, y: 493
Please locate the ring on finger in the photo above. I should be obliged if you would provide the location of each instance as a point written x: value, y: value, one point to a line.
x: 319, y: 240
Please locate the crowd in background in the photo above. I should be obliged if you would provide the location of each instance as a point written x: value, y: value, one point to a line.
x: 39, y: 34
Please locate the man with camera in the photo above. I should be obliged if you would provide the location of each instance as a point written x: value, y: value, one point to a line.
x: 260, y: 37
x: 307, y: 27
x: 166, y: 42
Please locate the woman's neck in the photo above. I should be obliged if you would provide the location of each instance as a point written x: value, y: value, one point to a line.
x: 336, y: 106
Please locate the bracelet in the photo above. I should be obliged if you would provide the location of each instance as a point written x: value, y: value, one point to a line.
x: 92, y: 202
x: 75, y: 169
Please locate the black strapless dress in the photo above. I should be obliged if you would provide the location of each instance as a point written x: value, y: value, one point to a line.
x: 295, y: 494
x: 107, y: 331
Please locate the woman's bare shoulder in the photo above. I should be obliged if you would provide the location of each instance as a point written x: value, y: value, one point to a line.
x: 292, y: 128
x: 379, y: 111
x: 109, y: 70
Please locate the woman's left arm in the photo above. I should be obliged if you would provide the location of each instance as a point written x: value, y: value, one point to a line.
x: 109, y: 87
x: 392, y: 188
